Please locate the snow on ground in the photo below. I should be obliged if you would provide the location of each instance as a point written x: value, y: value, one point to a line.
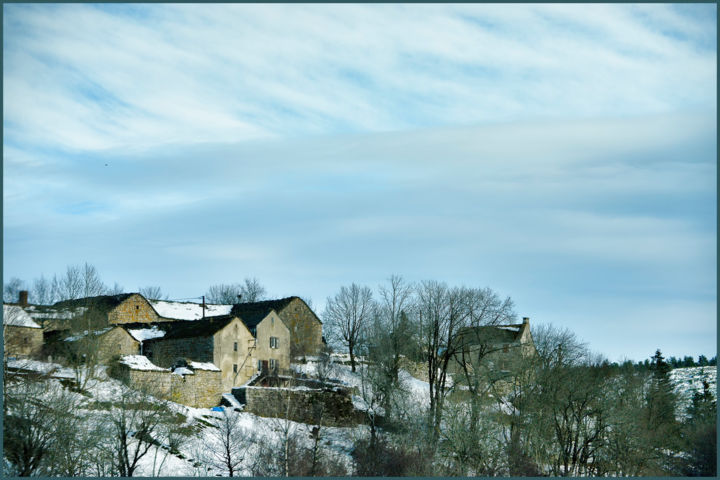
x: 688, y: 380
x: 40, y: 367
x: 142, y: 334
x: 187, y: 310
x: 17, y: 317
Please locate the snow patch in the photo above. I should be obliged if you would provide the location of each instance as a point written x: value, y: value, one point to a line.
x: 140, y: 362
x: 203, y: 366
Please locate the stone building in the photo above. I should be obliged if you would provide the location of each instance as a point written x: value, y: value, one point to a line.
x: 239, y: 347
x: 22, y: 337
x: 305, y: 327
x: 496, y: 349
x: 113, y: 309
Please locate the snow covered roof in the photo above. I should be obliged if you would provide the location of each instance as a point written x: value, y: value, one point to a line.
x: 140, y: 362
x: 85, y: 333
x: 187, y: 310
x: 142, y: 334
x: 17, y: 317
x: 49, y: 312
x: 203, y: 366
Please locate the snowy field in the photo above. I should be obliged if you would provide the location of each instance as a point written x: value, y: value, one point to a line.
x: 688, y: 380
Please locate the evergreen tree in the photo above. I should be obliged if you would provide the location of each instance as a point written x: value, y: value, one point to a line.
x: 700, y: 434
x: 660, y: 422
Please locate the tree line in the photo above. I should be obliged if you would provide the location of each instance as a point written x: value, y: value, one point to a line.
x: 485, y: 409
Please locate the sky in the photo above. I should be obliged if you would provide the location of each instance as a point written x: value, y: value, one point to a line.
x: 562, y: 155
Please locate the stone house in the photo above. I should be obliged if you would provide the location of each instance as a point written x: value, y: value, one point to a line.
x: 496, y: 349
x: 305, y: 327
x: 22, y: 337
x: 239, y: 347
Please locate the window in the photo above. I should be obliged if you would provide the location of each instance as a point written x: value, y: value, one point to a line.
x: 235, y: 347
x: 234, y: 367
x: 27, y: 340
x: 273, y: 342
x: 273, y: 364
x: 259, y: 365
x: 137, y: 307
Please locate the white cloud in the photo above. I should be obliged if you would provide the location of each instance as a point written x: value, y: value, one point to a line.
x: 81, y: 77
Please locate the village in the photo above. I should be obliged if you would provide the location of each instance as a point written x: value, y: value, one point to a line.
x: 206, y: 355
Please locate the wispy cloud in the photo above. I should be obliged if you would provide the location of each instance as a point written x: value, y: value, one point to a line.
x: 92, y: 77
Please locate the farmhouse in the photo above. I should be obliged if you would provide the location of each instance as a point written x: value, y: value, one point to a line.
x: 239, y: 347
x: 497, y: 348
x: 305, y: 327
x: 23, y: 337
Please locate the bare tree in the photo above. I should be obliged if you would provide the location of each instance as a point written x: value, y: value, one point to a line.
x: 41, y: 292
x: 348, y: 314
x: 441, y: 313
x: 11, y: 290
x: 152, y: 293
x: 252, y: 290
x: 79, y: 281
x: 249, y: 291
x: 228, y: 445
x: 135, y: 420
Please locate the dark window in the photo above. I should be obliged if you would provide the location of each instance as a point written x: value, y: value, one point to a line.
x: 259, y: 365
x: 234, y: 367
x: 137, y: 307
x: 273, y: 342
x: 273, y: 364
x: 235, y: 347
x: 27, y: 340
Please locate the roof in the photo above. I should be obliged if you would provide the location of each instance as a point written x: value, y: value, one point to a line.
x: 100, y: 304
x: 44, y: 313
x: 491, y: 334
x: 188, y: 310
x: 197, y: 328
x: 253, y: 313
x: 17, y: 317
x: 142, y: 334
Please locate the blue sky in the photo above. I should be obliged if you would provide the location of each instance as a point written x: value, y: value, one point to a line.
x: 563, y: 155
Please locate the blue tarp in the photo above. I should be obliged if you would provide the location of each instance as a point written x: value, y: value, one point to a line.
x: 218, y: 409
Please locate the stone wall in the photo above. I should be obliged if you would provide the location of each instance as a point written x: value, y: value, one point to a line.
x: 200, y: 390
x: 333, y: 408
x: 135, y: 309
x: 164, y: 353
x: 22, y: 341
x: 305, y: 329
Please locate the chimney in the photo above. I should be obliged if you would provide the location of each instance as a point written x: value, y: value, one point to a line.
x: 23, y: 298
x: 526, y: 320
